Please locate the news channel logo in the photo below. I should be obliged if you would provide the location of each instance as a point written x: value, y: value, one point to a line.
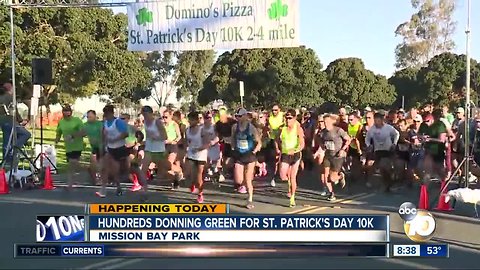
x: 419, y: 225
x: 60, y: 228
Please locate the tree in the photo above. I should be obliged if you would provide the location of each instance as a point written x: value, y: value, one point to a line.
x: 406, y: 85
x: 191, y: 70
x: 428, y: 33
x: 88, y: 49
x: 163, y: 82
x: 349, y: 83
x: 443, y: 80
x: 288, y: 76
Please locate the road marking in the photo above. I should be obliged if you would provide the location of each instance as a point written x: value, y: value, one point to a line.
x: 311, y: 209
x: 102, y: 263
x: 343, y: 201
x: 16, y: 202
x: 297, y: 211
x: 124, y: 263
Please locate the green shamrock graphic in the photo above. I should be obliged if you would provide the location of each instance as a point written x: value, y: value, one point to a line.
x: 277, y: 10
x: 144, y: 16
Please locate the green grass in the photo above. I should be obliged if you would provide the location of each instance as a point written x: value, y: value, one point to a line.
x: 49, y: 138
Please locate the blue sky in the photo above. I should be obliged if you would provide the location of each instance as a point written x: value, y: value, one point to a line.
x: 365, y: 29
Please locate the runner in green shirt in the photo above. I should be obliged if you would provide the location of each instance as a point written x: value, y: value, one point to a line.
x: 70, y: 127
x: 93, y: 129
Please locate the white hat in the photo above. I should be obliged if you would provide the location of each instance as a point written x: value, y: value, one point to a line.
x: 418, y: 118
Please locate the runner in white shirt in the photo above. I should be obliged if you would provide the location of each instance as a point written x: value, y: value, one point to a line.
x: 115, y: 163
x: 214, y: 150
x: 198, y: 143
x: 156, y: 135
x: 385, y: 138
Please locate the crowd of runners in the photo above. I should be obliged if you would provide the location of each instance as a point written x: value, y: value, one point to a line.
x: 240, y: 146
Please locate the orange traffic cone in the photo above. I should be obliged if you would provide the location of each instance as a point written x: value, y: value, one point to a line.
x: 48, y: 183
x: 442, y: 204
x: 4, y: 189
x: 423, y: 201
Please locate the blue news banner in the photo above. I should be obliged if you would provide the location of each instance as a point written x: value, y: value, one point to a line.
x: 238, y: 222
x: 236, y: 226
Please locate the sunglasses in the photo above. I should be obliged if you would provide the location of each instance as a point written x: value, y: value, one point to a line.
x: 165, y: 117
x: 418, y: 121
x: 238, y: 115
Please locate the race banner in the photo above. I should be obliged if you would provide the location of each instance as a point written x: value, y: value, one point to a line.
x: 188, y: 25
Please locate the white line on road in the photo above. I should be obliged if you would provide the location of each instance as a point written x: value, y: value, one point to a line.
x: 124, y: 263
x: 103, y: 263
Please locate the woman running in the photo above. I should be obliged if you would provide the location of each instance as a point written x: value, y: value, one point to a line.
x: 115, y: 164
x: 247, y: 144
x: 319, y: 154
x: 130, y: 143
x: 155, y: 142
x: 181, y: 144
x: 198, y: 144
x: 290, y: 144
x: 214, y: 149
x: 171, y: 146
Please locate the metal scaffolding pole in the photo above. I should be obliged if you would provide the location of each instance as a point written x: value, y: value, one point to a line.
x: 468, y: 112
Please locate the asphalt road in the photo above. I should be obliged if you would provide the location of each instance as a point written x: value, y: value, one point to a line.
x: 458, y: 228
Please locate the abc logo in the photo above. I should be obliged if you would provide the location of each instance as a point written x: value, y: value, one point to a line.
x: 419, y: 225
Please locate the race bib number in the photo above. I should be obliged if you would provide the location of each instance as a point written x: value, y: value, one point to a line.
x: 330, y: 145
x: 242, y: 144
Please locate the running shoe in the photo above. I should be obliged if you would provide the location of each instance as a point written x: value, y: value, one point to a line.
x: 332, y: 198
x: 292, y: 201
x: 242, y: 190
x: 119, y: 192
x: 272, y: 183
x: 250, y: 205
x: 136, y: 188
x: 100, y: 194
x: 221, y: 178
x: 324, y: 193
x: 200, y: 198
x: 192, y: 188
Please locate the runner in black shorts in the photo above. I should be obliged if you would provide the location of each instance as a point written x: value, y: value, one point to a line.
x: 115, y: 161
x: 247, y: 144
x: 335, y: 142
x: 224, y: 130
